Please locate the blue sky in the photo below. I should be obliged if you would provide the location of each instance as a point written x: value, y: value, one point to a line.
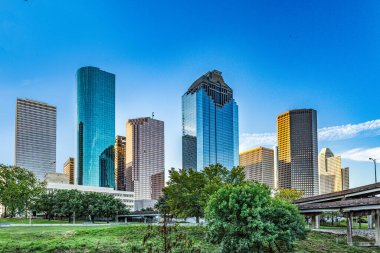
x: 276, y: 55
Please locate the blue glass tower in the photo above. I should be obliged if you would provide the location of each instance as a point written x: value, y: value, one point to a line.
x: 95, y: 127
x: 210, y: 131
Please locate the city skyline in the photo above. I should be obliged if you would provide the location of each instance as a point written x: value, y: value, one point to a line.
x: 315, y: 64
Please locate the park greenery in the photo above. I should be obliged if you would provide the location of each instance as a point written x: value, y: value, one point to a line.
x: 21, y: 192
x: 73, y: 203
x: 18, y: 189
x: 245, y: 218
x: 241, y: 216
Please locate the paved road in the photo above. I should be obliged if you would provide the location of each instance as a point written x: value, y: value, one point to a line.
x: 368, y: 233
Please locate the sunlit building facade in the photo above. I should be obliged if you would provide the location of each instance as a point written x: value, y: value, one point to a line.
x: 120, y: 180
x: 145, y: 157
x: 297, y: 139
x: 35, y: 136
x: 68, y: 169
x: 332, y: 177
x: 346, y: 178
x: 258, y: 165
x: 95, y: 127
x: 210, y: 132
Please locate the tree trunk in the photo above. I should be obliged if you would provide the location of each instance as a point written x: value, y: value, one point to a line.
x: 197, y: 219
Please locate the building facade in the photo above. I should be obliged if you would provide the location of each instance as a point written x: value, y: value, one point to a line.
x: 35, y: 137
x: 157, y: 183
x: 68, y: 169
x: 298, y: 151
x: 332, y: 176
x: 346, y: 178
x: 210, y: 131
x: 120, y: 180
x: 258, y: 165
x: 95, y: 127
x: 145, y: 157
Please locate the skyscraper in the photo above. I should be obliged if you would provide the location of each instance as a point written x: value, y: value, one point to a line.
x: 298, y: 151
x: 120, y: 163
x: 346, y: 178
x: 68, y: 169
x: 210, y: 132
x: 95, y: 127
x: 332, y: 177
x: 35, y: 136
x: 258, y: 165
x: 145, y: 157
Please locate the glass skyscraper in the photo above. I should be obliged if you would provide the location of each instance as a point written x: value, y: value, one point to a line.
x: 95, y: 127
x: 210, y: 131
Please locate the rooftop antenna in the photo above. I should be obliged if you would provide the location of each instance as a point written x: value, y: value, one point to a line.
x: 152, y: 115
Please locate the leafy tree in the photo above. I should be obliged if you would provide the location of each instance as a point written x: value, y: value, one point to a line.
x: 188, y: 191
x: 44, y: 203
x: 288, y: 194
x: 67, y: 203
x: 90, y: 205
x: 244, y: 218
x: 184, y: 193
x: 18, y: 189
x: 110, y: 206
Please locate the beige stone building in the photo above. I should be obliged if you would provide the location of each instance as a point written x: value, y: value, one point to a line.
x: 332, y: 177
x: 258, y: 165
x: 68, y: 169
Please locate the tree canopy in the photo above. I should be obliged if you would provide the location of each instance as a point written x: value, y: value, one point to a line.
x: 18, y: 189
x: 245, y: 218
x: 188, y: 191
x: 66, y: 203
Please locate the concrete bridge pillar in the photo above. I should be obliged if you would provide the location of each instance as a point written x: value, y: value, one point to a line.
x: 369, y: 221
x: 315, y: 222
x: 349, y: 228
x: 377, y: 227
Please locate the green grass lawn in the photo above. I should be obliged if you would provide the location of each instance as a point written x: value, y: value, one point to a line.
x: 121, y: 239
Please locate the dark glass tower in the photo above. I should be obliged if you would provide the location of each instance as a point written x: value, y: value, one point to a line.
x: 297, y: 138
x: 210, y: 131
x: 95, y: 127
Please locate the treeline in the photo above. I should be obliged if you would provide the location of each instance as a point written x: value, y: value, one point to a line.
x: 241, y: 216
x: 70, y: 203
x: 21, y: 193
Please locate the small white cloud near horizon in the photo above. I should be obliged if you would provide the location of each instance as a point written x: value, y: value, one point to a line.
x: 361, y: 154
x: 342, y: 132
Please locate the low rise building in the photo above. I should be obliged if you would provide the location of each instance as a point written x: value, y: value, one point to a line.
x: 127, y: 197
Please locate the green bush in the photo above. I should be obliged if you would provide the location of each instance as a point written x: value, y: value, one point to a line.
x: 244, y: 218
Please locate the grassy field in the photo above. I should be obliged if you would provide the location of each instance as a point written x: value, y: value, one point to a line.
x: 121, y: 239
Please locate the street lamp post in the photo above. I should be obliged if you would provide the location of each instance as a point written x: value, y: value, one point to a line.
x: 374, y: 162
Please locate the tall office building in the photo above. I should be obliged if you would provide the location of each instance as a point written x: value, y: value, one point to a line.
x: 120, y: 163
x: 346, y: 178
x: 258, y: 165
x: 210, y: 131
x: 35, y: 137
x: 68, y: 169
x: 157, y: 182
x: 95, y: 127
x: 145, y: 157
x: 332, y: 177
x: 298, y: 151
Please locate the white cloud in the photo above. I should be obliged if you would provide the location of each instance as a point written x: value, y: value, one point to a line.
x: 361, y: 154
x: 342, y: 132
x: 349, y: 131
